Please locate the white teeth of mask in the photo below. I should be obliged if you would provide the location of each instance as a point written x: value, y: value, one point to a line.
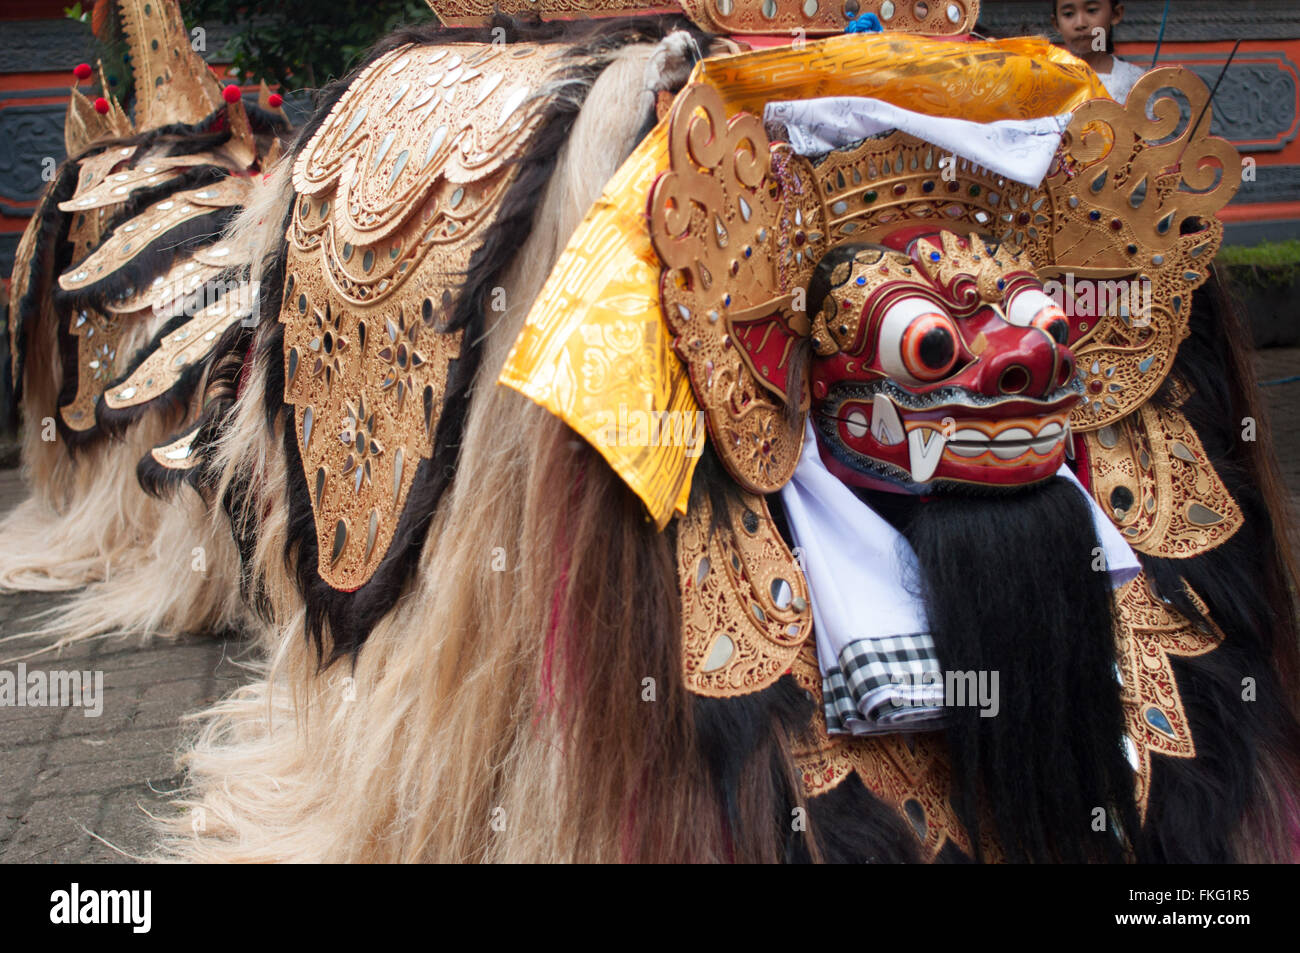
x: 886, y: 426
x: 1045, y: 444
x: 968, y: 443
x: 925, y: 449
x: 1011, y: 443
x: 856, y: 423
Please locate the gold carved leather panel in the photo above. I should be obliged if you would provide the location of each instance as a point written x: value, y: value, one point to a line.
x: 1150, y: 632
x: 1123, y: 190
x: 745, y: 609
x: 177, y: 352
x: 1153, y: 478
x: 740, y: 17
x: 394, y: 193
x: 908, y: 772
x: 150, y: 173
x: 151, y: 228
x: 736, y: 243
x: 98, y: 338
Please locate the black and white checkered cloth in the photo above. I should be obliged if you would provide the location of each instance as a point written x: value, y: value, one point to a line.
x: 885, y: 685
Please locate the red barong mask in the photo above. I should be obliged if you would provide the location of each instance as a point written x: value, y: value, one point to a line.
x: 939, y: 359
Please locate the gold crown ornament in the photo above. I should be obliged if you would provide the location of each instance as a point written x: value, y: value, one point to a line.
x: 740, y: 17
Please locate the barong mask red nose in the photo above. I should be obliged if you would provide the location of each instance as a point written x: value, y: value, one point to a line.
x: 938, y: 359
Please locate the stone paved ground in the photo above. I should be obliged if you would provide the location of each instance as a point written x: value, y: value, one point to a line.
x: 62, y: 773
x: 1283, y: 403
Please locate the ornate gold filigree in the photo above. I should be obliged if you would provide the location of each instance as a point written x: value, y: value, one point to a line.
x: 24, y: 255
x: 151, y: 228
x: 745, y: 610
x: 816, y: 17
x: 480, y: 12
x: 423, y: 129
x: 1124, y: 192
x: 177, y: 352
x: 739, y: 17
x: 85, y: 229
x: 736, y: 242
x: 118, y: 187
x: 167, y: 292
x: 394, y: 192
x: 1150, y: 632
x: 1152, y: 476
x: 832, y: 331
x: 98, y: 338
x: 897, y: 180
x: 971, y: 275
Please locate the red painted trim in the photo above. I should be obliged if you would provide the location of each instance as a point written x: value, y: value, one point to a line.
x: 1260, y: 210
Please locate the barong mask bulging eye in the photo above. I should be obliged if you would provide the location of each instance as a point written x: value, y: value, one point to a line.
x: 938, y: 359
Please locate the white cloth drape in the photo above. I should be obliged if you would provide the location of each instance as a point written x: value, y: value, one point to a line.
x: 864, y: 582
x: 1020, y: 149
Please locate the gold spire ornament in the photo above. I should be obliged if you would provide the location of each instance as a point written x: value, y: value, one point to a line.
x: 172, y: 83
x: 395, y: 192
x: 745, y: 602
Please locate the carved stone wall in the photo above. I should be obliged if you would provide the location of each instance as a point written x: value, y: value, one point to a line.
x: 28, y: 136
x: 1189, y: 20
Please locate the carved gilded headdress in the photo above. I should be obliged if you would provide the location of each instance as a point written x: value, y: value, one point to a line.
x: 736, y: 226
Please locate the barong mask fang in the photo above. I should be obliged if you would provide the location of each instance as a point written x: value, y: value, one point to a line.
x: 938, y: 358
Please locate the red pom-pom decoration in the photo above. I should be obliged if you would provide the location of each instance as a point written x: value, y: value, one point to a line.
x: 275, y: 100
x: 231, y: 93
x: 82, y: 71
x: 101, y: 106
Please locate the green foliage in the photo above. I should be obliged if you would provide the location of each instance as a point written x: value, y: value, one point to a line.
x: 1267, y: 265
x: 301, y: 43
x: 112, y: 50
x: 1267, y: 254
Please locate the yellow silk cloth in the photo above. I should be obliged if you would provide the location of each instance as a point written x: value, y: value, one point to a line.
x: 594, y: 349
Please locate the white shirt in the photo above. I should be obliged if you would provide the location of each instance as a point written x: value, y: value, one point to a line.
x: 1120, y: 79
